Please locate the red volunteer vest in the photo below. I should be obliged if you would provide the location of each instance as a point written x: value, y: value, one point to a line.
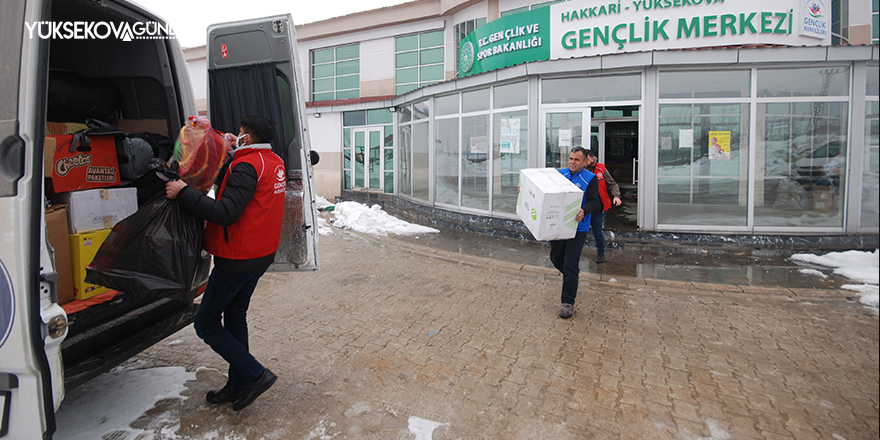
x: 600, y: 171
x: 258, y: 231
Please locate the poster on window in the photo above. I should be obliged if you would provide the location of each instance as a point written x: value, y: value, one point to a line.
x: 510, y: 135
x: 479, y: 145
x: 719, y: 145
x: 564, y: 138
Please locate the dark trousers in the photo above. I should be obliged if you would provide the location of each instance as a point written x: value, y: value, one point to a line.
x: 566, y: 257
x: 229, y: 295
x: 597, y: 220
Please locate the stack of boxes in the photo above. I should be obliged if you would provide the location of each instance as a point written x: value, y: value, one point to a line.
x: 86, y: 205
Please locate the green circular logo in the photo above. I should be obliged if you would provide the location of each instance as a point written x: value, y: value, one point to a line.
x: 466, y: 57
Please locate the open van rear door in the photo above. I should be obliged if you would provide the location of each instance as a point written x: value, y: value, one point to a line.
x: 32, y: 324
x: 253, y: 70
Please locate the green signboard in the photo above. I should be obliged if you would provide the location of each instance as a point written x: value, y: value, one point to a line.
x: 507, y: 41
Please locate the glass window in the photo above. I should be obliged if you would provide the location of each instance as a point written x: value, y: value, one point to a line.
x: 510, y: 149
x: 600, y: 88
x: 462, y: 30
x: 475, y: 162
x: 531, y: 7
x: 420, y: 171
x: 354, y: 118
x: 705, y: 84
x: 873, y: 87
x: 379, y: 116
x: 404, y: 141
x: 875, y: 20
x: 475, y: 100
x: 389, y: 159
x: 814, y: 81
x: 418, y: 61
x: 515, y: 11
x: 335, y: 73
x: 511, y: 95
x: 410, y: 42
x: 446, y: 105
x: 346, y: 158
x: 431, y: 39
x: 801, y: 154
x: 703, y: 165
x: 405, y: 113
x: 446, y: 161
x: 421, y: 110
x: 871, y: 173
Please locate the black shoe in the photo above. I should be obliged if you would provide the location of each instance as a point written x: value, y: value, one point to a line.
x: 600, y: 258
x: 223, y: 395
x: 253, y: 390
x: 566, y: 311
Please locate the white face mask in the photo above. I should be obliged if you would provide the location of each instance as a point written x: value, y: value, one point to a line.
x: 240, y: 141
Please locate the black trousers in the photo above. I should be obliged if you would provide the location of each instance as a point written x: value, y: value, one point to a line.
x: 566, y: 257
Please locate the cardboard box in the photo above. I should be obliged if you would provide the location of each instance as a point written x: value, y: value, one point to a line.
x: 56, y: 230
x: 159, y: 126
x: 83, y: 168
x: 49, y: 145
x: 83, y: 248
x: 822, y: 198
x: 548, y: 203
x: 95, y: 209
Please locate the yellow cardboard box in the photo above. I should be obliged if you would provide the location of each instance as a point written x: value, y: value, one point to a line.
x: 83, y: 248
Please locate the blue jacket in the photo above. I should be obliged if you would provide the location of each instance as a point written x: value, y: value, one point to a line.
x: 586, y: 181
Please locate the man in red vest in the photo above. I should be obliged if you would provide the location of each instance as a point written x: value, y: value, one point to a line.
x: 606, y: 184
x: 243, y: 231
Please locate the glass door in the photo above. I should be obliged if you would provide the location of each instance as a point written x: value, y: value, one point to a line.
x: 563, y: 130
x: 368, y: 158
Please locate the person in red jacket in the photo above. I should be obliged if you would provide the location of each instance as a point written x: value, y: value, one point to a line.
x: 243, y: 231
x: 606, y: 185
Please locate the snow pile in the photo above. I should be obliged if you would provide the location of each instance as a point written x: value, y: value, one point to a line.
x: 855, y: 265
x: 322, y: 203
x: 373, y: 220
x: 324, y: 227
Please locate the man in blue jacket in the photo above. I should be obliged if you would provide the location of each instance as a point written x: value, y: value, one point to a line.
x: 566, y: 254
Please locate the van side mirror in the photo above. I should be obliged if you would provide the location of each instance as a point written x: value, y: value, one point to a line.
x: 314, y: 157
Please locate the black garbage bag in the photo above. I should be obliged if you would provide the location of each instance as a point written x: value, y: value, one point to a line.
x: 155, y: 251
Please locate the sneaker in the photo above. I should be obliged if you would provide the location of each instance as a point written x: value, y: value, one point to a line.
x: 600, y: 258
x: 223, y: 395
x: 254, y: 389
x: 567, y: 310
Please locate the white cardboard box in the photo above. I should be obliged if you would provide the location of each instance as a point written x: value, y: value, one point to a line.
x: 548, y: 203
x: 95, y: 209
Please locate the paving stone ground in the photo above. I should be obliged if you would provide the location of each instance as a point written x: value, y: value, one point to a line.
x: 388, y: 329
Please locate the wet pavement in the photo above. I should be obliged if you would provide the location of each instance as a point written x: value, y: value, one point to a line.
x: 735, y: 267
x: 462, y: 331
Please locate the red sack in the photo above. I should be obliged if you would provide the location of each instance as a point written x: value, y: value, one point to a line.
x: 201, y: 151
x: 83, y: 161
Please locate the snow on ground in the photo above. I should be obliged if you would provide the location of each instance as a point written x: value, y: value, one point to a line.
x: 423, y: 429
x: 120, y: 397
x: 368, y: 220
x: 858, y: 266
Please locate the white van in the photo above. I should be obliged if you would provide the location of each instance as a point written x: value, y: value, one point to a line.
x: 59, y: 59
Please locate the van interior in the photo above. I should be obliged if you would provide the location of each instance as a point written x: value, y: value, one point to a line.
x: 133, y: 85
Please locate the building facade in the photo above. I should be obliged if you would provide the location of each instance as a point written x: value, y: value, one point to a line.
x: 754, y: 117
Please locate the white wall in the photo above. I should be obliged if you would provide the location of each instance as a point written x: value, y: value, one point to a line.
x: 198, y: 75
x: 377, y: 59
x: 325, y: 137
